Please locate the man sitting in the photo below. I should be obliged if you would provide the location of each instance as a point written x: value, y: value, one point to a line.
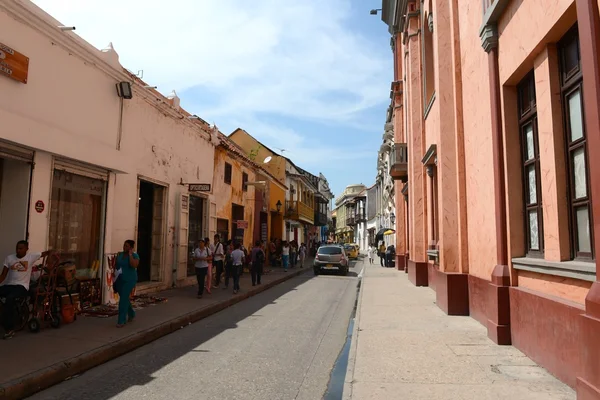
x: 14, y: 283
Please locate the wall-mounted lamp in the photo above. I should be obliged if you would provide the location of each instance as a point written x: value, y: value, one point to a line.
x: 278, y: 205
x: 66, y: 28
x: 150, y: 87
x: 393, y: 218
x: 124, y: 90
x: 374, y: 11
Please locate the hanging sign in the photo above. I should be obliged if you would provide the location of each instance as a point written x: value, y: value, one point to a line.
x: 199, y: 187
x: 13, y: 64
x: 39, y: 206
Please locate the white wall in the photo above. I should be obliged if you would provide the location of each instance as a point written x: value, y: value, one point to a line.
x: 13, y: 204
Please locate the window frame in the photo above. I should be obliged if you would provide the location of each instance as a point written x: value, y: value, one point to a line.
x: 571, y: 82
x: 527, y: 117
x: 227, y: 173
x: 244, y: 182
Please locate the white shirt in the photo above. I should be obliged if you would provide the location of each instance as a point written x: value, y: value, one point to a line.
x: 19, y: 269
x: 285, y: 251
x: 370, y: 252
x: 217, y: 250
x: 237, y: 256
x: 201, y: 253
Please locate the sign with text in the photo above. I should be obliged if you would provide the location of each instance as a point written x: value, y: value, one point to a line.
x: 13, y: 64
x: 199, y: 187
x: 242, y: 224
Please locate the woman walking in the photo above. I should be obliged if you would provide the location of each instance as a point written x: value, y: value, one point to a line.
x: 302, y: 254
x: 370, y: 253
x: 201, y: 257
x: 285, y: 255
x: 293, y: 253
x: 210, y: 264
x: 228, y: 263
x: 127, y: 262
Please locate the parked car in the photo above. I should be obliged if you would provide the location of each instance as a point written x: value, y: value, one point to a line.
x: 351, y: 250
x: 331, y: 258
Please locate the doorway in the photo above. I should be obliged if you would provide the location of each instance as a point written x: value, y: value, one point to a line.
x: 237, y: 214
x: 197, y: 228
x: 15, y: 178
x: 223, y: 229
x: 150, y: 225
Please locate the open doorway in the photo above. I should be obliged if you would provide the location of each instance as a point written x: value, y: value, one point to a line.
x: 237, y: 214
x: 150, y: 237
x: 223, y: 229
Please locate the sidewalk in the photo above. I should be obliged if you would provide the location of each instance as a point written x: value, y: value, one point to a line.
x: 33, y: 362
x: 405, y: 347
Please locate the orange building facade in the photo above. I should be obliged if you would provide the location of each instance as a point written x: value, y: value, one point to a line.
x: 495, y: 106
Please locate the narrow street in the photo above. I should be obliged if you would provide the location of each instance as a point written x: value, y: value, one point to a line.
x: 280, y: 344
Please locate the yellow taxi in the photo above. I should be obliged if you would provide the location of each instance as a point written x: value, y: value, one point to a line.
x: 351, y: 250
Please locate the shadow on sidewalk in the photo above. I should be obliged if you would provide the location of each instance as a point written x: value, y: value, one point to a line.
x: 137, y: 367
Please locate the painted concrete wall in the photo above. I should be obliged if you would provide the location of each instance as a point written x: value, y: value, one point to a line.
x: 226, y: 194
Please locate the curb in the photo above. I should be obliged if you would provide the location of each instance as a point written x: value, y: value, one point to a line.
x: 42, y: 379
x: 349, y: 379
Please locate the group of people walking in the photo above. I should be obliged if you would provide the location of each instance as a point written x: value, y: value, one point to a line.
x: 290, y: 253
x: 227, y: 260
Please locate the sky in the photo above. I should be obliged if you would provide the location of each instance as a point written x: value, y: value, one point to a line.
x: 311, y: 77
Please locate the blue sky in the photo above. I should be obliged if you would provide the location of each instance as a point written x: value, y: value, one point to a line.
x: 311, y: 77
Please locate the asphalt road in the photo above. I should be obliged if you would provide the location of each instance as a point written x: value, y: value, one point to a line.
x: 280, y: 344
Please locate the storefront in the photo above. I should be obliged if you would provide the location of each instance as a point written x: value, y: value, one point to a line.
x: 77, y: 220
x: 198, y: 228
x: 15, y: 182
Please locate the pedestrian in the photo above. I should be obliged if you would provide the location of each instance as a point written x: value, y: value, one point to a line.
x: 370, y: 253
x: 228, y: 264
x: 285, y: 255
x: 257, y: 264
x: 201, y: 257
x: 127, y: 262
x: 272, y: 253
x: 293, y: 253
x: 237, y: 263
x: 302, y: 254
x: 211, y: 250
x: 15, y: 275
x: 218, y: 257
x: 382, y: 254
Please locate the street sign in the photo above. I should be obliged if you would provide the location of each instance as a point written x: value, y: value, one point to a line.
x: 199, y: 187
x: 39, y: 206
x: 13, y: 64
x: 242, y: 224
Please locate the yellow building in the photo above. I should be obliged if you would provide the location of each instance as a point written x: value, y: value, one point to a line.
x: 274, y: 166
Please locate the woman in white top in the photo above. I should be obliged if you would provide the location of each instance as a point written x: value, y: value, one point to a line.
x: 302, y: 254
x: 285, y: 255
x: 201, y: 256
x: 370, y: 253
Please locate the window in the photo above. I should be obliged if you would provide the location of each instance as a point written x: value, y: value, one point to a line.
x: 228, y: 173
x: 530, y: 156
x: 245, y: 182
x: 576, y: 146
x: 428, y: 61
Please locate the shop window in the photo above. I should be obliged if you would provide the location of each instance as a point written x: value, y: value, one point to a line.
x: 530, y: 157
x: 579, y: 195
x: 428, y: 60
x: 76, y: 214
x: 228, y: 172
x: 245, y: 182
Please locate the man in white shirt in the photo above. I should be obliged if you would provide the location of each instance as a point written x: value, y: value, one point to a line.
x: 14, y: 282
x: 237, y: 257
x: 218, y: 253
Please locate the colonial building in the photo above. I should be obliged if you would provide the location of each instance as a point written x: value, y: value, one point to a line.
x: 495, y: 109
x: 345, y: 213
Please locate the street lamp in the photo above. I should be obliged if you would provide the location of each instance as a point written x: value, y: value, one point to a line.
x: 374, y: 11
x: 278, y: 205
x: 392, y: 218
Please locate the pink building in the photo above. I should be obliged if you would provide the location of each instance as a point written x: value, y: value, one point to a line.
x: 84, y: 167
x: 496, y: 113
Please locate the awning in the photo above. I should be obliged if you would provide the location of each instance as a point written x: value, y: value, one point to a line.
x: 384, y: 231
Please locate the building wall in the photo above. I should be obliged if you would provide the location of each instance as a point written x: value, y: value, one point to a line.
x: 227, y: 194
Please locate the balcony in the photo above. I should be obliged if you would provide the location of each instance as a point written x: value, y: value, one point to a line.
x: 360, y: 216
x: 320, y: 218
x: 350, y: 221
x: 299, y: 211
x: 399, y: 162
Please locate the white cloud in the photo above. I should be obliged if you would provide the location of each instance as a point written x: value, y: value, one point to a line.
x: 293, y: 59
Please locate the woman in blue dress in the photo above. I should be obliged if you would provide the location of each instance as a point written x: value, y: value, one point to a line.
x: 127, y: 262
